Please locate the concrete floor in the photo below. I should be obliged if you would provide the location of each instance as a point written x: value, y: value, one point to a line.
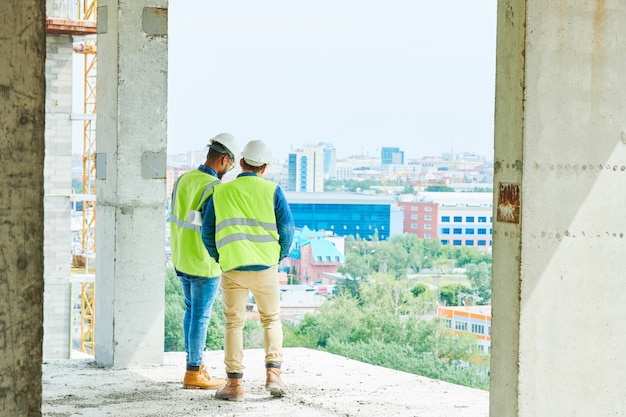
x: 318, y: 383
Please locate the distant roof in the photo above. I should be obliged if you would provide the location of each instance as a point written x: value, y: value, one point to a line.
x: 324, y: 250
x: 480, y: 198
x: 321, y: 248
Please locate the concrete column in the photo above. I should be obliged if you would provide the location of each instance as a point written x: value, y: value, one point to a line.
x: 559, y: 236
x: 57, y: 205
x: 22, y: 97
x: 130, y: 182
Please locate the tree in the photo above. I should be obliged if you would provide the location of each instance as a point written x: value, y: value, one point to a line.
x: 449, y: 294
x: 174, y: 339
x: 174, y: 312
x: 439, y: 188
x: 480, y: 278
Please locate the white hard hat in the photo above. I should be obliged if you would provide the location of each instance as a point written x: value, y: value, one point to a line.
x: 256, y: 153
x: 228, y: 142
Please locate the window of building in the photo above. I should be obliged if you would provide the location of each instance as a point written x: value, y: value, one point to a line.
x: 458, y: 219
x: 413, y: 225
x: 460, y: 325
x: 448, y: 323
x: 469, y: 231
x: 482, y: 243
x: 482, y: 219
x: 414, y: 216
x: 457, y: 243
x: 445, y: 231
x: 482, y: 231
x: 414, y: 208
x: 490, y: 219
x: 428, y: 208
x: 445, y: 242
x: 428, y: 217
x: 469, y: 242
x: 469, y: 219
x: 445, y: 219
x: 428, y: 236
x: 478, y: 328
x: 457, y: 231
x: 428, y: 226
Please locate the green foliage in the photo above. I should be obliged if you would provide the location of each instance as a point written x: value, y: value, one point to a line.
x: 303, y: 335
x: 439, y: 188
x: 174, y: 340
x: 77, y: 186
x: 387, y: 327
x: 419, y: 289
x: 379, y: 315
x: 480, y: 277
x: 252, y: 334
x: 350, y: 185
x: 449, y: 294
x: 404, y: 358
x: 215, y: 330
x: 174, y: 312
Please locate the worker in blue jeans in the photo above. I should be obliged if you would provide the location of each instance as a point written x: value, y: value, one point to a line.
x: 199, y: 274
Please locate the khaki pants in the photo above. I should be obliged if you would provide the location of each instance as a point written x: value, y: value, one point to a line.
x: 265, y: 288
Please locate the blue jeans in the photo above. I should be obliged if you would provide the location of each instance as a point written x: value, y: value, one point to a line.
x: 199, y: 297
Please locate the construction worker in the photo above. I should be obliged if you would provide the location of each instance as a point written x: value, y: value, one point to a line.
x: 199, y: 274
x: 248, y: 227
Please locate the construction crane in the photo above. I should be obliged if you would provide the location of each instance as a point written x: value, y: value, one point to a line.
x: 393, y: 177
x: 87, y: 12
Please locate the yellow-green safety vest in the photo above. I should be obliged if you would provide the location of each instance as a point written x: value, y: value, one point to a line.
x: 245, y: 223
x: 189, y: 255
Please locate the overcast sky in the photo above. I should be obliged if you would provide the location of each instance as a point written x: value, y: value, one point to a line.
x: 360, y: 74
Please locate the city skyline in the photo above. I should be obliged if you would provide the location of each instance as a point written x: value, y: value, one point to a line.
x: 339, y: 157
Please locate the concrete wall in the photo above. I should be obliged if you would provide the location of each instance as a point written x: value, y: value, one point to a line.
x: 22, y: 95
x: 57, y: 206
x: 559, y: 238
x: 130, y: 179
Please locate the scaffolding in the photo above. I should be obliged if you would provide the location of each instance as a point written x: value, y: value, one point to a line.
x: 88, y: 49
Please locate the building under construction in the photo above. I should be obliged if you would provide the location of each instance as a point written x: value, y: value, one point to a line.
x: 558, y: 224
x: 69, y: 268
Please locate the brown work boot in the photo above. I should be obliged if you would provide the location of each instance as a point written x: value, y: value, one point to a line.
x: 233, y: 390
x: 201, y: 379
x: 273, y: 382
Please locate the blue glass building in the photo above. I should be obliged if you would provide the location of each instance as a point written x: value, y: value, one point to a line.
x: 343, y: 213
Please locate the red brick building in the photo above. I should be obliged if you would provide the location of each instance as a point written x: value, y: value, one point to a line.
x: 420, y: 218
x: 313, y: 254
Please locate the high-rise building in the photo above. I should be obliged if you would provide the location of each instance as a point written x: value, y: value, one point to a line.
x: 330, y: 161
x: 391, y: 156
x: 306, y: 170
x: 344, y: 214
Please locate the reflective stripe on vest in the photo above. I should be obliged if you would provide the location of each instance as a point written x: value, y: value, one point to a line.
x: 246, y: 231
x: 191, y: 190
x: 206, y: 193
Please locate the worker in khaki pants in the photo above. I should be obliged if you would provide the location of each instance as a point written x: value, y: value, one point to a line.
x: 248, y: 228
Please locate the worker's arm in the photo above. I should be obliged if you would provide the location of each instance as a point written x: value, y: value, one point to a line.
x: 284, y: 222
x: 208, y: 228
